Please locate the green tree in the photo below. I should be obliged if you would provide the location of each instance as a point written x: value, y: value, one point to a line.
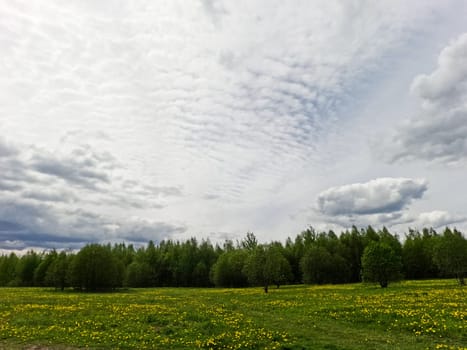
x: 281, y: 269
x: 320, y: 266
x: 138, y: 274
x: 207, y: 257
x: 41, y: 270
x: 187, y: 262
x: 93, y: 268
x: 266, y: 265
x: 8, y: 269
x: 417, y: 255
x: 249, y: 242
x: 392, y: 240
x: 380, y: 264
x: 369, y: 235
x: 450, y: 254
x: 293, y: 252
x: 25, y: 268
x: 353, y: 246
x: 57, y: 272
x: 228, y: 271
x: 124, y: 253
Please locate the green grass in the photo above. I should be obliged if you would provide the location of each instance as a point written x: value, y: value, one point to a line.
x: 407, y: 315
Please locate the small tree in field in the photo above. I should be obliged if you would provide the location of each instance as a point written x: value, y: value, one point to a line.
x: 380, y: 264
x: 266, y: 265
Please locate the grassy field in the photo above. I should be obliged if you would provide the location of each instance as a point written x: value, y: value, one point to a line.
x: 407, y: 315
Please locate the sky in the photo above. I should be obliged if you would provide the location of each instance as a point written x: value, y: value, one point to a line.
x: 130, y: 121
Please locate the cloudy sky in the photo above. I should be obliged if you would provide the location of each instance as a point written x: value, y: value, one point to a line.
x: 130, y: 121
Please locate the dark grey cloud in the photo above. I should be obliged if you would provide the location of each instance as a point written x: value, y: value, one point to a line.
x: 143, y: 230
x: 9, y: 186
x: 6, y: 150
x: 54, y: 177
x: 24, y: 223
x: 400, y: 220
x: 9, y: 227
x: 45, y: 195
x: 30, y: 224
x: 379, y: 196
x: 439, y: 132
x: 13, y: 170
x: 83, y: 167
x: 33, y: 172
x: 144, y: 189
x: 20, y: 237
x: 376, y: 220
x: 441, y: 137
x: 53, y: 199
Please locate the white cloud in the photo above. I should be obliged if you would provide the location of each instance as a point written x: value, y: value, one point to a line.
x: 381, y: 202
x: 438, y: 219
x: 439, y: 132
x: 447, y: 85
x: 378, y: 196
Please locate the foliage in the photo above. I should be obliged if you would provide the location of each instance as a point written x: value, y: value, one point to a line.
x: 228, y: 270
x: 249, y: 242
x: 380, y: 263
x: 8, y: 269
x: 57, y: 272
x: 320, y: 266
x: 25, y: 268
x: 417, y: 255
x: 311, y: 257
x: 352, y: 249
x: 450, y: 254
x: 138, y: 274
x: 93, y: 268
x: 266, y: 265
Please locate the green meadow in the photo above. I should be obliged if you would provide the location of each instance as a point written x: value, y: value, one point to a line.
x: 407, y: 315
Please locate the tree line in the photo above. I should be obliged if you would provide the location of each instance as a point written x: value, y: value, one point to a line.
x: 311, y: 257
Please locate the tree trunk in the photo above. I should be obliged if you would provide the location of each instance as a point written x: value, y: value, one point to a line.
x: 266, y: 288
x: 461, y: 279
x: 383, y: 284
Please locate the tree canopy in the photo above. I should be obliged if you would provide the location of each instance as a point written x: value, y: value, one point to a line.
x: 310, y: 257
x: 380, y: 263
x: 450, y: 254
